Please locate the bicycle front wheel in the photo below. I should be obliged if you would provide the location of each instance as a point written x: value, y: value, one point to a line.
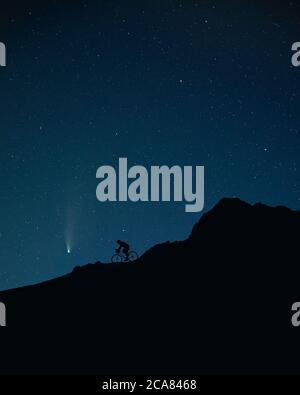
x: 132, y: 256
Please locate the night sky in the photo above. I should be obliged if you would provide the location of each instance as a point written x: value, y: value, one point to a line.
x: 159, y: 82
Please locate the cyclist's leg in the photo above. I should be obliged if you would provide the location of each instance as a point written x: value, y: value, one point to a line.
x: 126, y: 252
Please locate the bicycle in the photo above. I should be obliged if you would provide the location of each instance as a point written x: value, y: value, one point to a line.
x: 121, y: 257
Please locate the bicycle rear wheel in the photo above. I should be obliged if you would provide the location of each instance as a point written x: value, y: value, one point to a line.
x: 116, y: 258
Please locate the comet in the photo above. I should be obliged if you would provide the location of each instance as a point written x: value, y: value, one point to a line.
x: 71, y: 226
x: 68, y: 242
x: 69, y: 231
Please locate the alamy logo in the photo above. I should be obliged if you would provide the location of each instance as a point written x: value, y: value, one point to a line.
x: 185, y: 186
x: 2, y: 54
x: 296, y: 55
x: 296, y: 315
x: 2, y: 314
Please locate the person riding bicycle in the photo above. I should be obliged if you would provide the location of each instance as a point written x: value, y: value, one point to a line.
x: 124, y: 248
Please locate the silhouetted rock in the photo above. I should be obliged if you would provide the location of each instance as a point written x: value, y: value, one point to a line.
x: 216, y: 302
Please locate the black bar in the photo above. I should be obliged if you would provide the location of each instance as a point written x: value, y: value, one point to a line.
x: 148, y: 384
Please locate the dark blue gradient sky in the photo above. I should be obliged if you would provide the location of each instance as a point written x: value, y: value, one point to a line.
x: 160, y: 82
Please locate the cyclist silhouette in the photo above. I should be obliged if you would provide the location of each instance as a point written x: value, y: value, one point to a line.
x: 124, y: 248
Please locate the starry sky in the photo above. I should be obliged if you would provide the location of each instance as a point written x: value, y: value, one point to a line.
x: 159, y: 82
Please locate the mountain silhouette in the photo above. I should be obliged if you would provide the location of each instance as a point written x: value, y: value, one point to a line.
x: 218, y: 302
